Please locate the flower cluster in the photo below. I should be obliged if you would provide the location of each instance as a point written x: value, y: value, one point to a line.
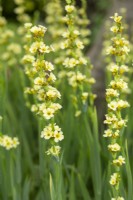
x: 78, y: 66
x: 114, y: 96
x: 10, y: 50
x: 42, y: 79
x: 55, y: 23
x: 20, y: 10
x: 53, y: 132
x: 6, y: 35
x: 107, y: 43
x: 2, y: 21
x: 8, y: 142
x: 12, y: 54
x: 83, y: 23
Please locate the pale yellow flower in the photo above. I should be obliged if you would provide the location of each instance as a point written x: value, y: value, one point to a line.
x: 114, y: 29
x: 48, y: 113
x: 38, y: 31
x: 69, y: 8
x: 107, y: 133
x: 116, y: 18
x: 114, y: 147
x: 55, y: 151
x: 114, y: 179
x: 39, y: 81
x: 119, y: 161
x: 8, y: 142
x: 112, y: 93
x: 58, y: 136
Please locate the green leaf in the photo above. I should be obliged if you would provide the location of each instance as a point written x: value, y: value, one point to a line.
x: 52, y: 189
x: 85, y: 193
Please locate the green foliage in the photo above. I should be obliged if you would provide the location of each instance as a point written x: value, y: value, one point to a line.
x: 83, y: 170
